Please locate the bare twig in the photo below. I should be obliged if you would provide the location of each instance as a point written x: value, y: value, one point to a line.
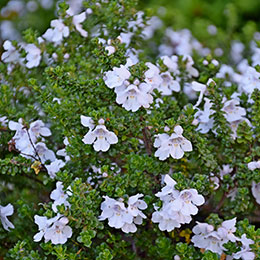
x: 147, y: 140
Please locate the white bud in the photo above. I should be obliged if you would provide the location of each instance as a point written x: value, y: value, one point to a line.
x: 205, y: 62
x: 136, y: 82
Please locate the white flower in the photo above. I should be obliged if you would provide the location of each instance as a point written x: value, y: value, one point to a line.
x: 187, y: 201
x: 21, y: 138
x: 100, y: 136
x: 196, y: 86
x: 192, y: 72
x: 115, y: 212
x: 77, y: 20
x: 121, y: 217
x: 201, y: 231
x: 152, y: 75
x: 57, y: 33
x: 59, y: 196
x: 116, y: 77
x: 3, y: 121
x: 174, y: 145
x: 249, y: 80
x: 234, y: 126
x: 135, y: 205
x: 174, y: 210
x: 59, y: 232
x: 245, y: 252
x: 232, y: 111
x: 253, y: 165
x: 171, y: 63
x: 214, y: 243
x: 87, y: 122
x: 54, y: 167
x: 168, y: 84
x: 33, y: 56
x: 227, y: 229
x: 43, y: 224
x: 110, y: 49
x: 62, y: 152
x: 205, y: 237
x: 6, y: 211
x: 133, y: 97
x: 226, y: 169
x: 164, y: 223
x: 256, y: 191
x: 44, y: 153
x: 203, y: 116
x: 10, y: 54
x: 37, y: 129
x: 168, y: 192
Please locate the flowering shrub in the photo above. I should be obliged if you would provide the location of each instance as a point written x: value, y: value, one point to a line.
x: 113, y: 150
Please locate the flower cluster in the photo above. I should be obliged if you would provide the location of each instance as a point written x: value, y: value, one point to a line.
x: 136, y: 94
x: 177, y: 207
x: 120, y: 216
x: 209, y: 239
x: 30, y: 143
x: 54, y: 229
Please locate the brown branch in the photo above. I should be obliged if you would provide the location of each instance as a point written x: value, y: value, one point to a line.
x: 147, y: 140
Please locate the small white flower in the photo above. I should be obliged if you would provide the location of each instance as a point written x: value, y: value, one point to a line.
x: 77, y: 20
x: 196, y: 86
x: 167, y: 224
x: 226, y: 169
x: 135, y: 205
x: 100, y: 136
x: 192, y: 72
x: 121, y: 217
x: 249, y: 80
x: 174, y: 145
x: 33, y: 56
x: 115, y: 212
x: 253, y: 165
x: 37, y: 129
x: 59, y: 196
x: 232, y: 110
x: 54, y: 167
x: 59, y: 232
x: 187, y: 201
x: 152, y: 75
x: 6, y: 211
x: 201, y: 231
x: 87, y: 122
x: 227, y: 229
x: 44, y: 153
x: 171, y: 63
x: 3, y: 121
x: 57, y: 33
x: 133, y: 97
x: 178, y: 206
x: 43, y: 224
x: 10, y: 54
x: 168, y: 84
x: 116, y: 77
x: 256, y: 191
x: 62, y: 152
x: 203, y: 116
x: 245, y: 252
